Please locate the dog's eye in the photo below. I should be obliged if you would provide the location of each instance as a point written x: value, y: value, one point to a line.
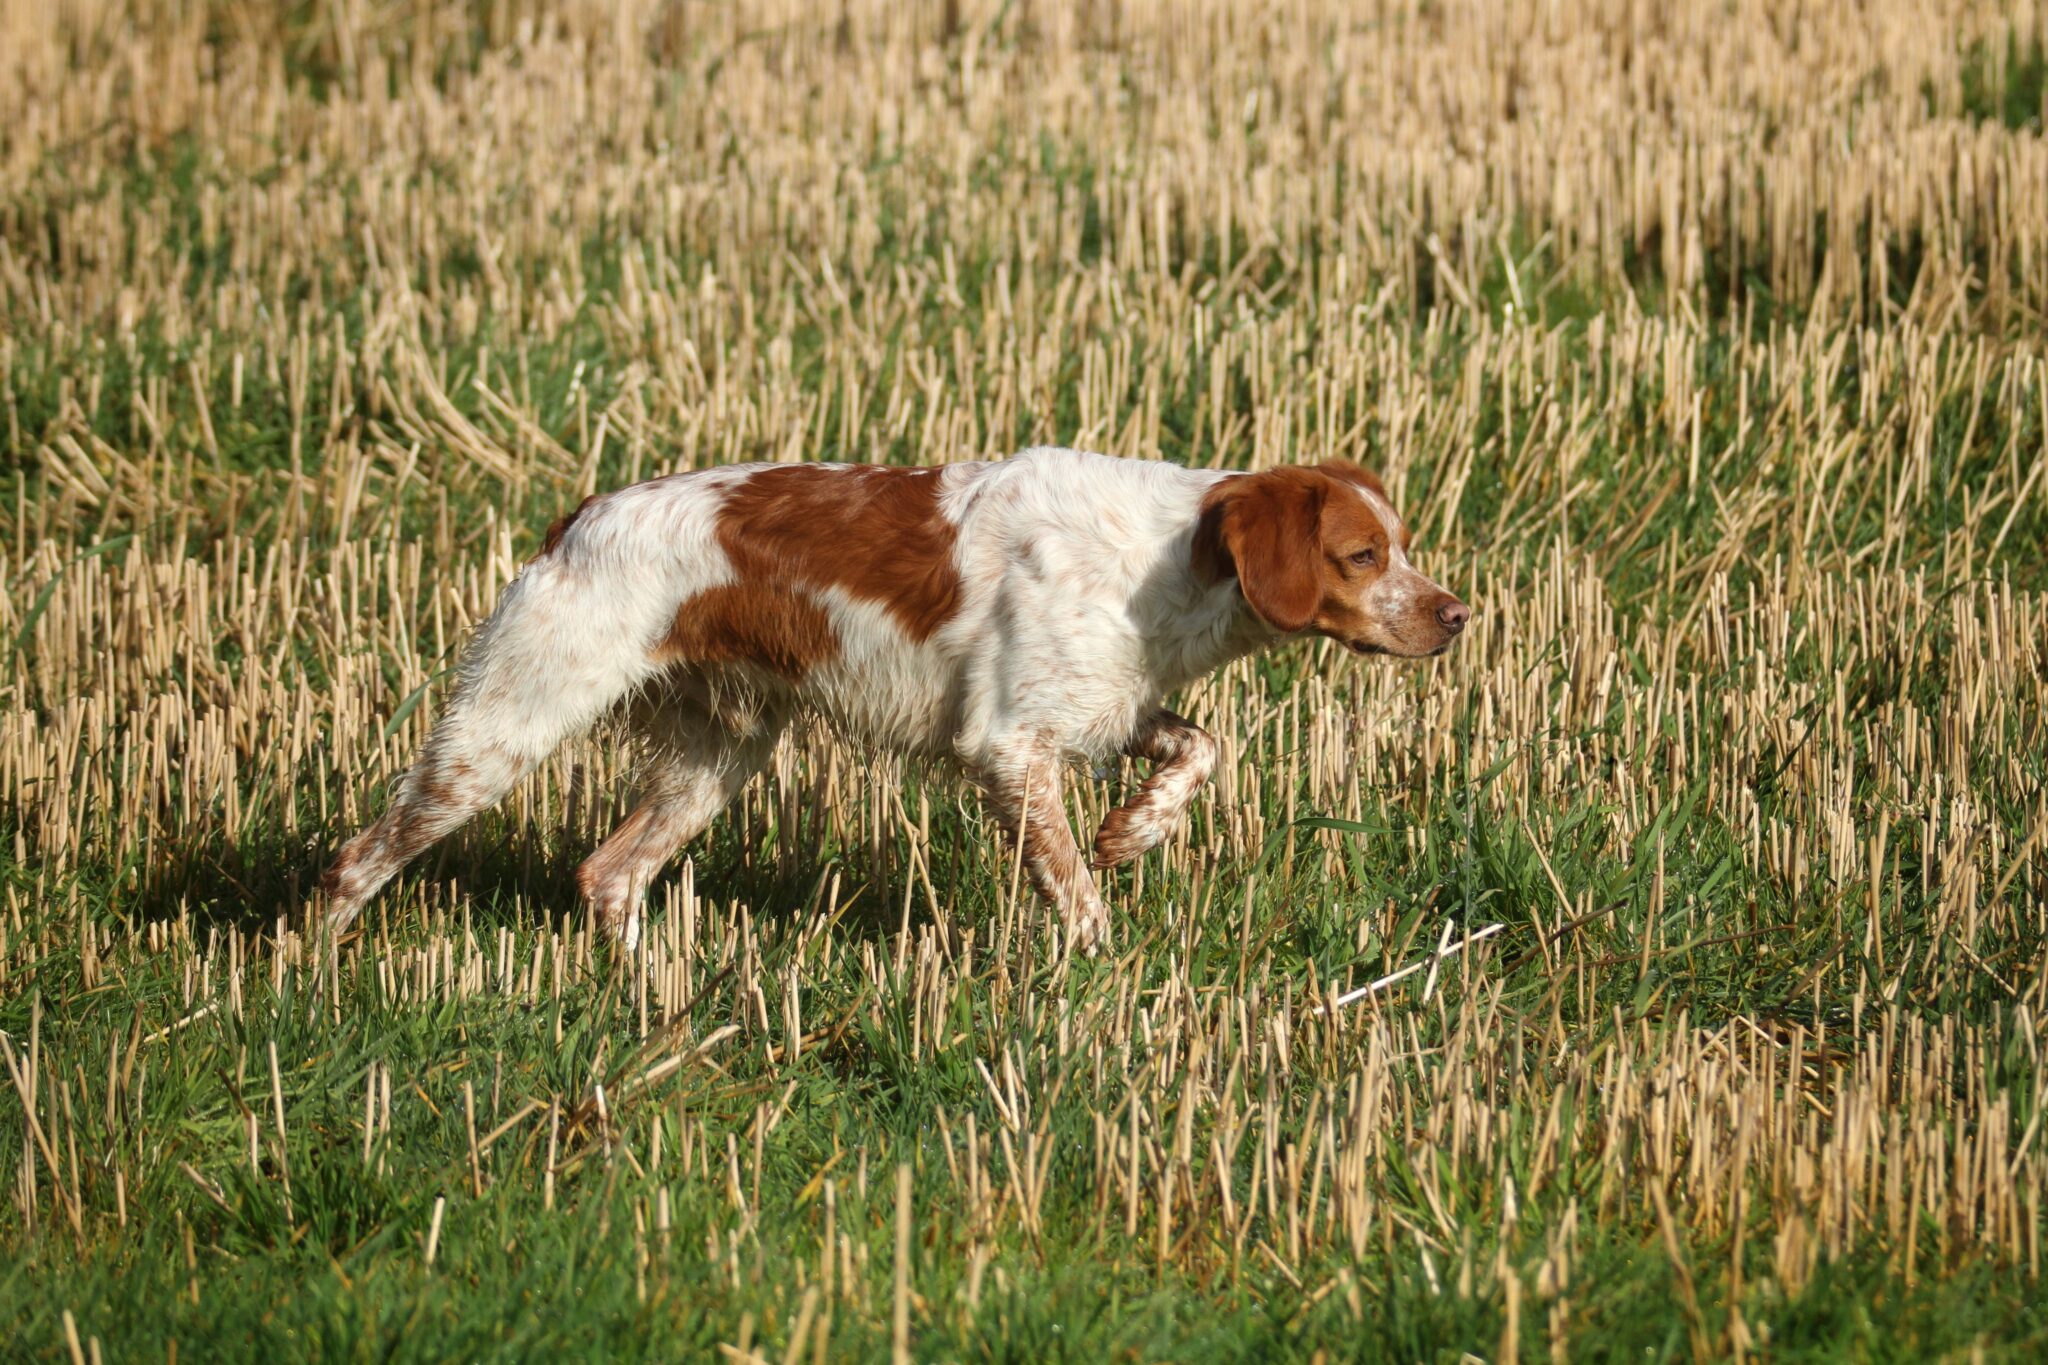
x: 1364, y: 558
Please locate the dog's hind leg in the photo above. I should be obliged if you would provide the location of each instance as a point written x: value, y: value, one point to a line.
x: 550, y: 660
x: 697, y: 759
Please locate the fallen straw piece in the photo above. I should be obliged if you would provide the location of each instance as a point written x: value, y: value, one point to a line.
x: 1443, y: 951
x: 194, y: 1017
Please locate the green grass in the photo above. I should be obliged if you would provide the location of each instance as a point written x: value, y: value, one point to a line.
x: 1747, y: 753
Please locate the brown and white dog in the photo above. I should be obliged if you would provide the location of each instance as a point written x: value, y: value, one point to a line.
x: 1015, y: 615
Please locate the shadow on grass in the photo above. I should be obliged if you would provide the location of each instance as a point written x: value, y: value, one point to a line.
x: 515, y: 876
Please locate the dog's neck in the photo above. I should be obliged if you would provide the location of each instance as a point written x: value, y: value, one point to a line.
x: 1201, y: 620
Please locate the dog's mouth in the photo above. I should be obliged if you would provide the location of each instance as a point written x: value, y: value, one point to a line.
x: 1368, y: 649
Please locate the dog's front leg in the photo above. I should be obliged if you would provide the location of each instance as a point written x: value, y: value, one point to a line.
x: 1023, y: 786
x: 1182, y: 758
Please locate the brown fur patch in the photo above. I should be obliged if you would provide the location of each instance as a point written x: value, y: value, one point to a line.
x: 447, y: 782
x: 559, y: 527
x: 874, y: 532
x: 1365, y: 478
x: 338, y: 871
x: 1351, y: 473
x: 751, y: 623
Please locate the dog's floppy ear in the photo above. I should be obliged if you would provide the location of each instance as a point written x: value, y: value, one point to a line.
x: 1266, y: 529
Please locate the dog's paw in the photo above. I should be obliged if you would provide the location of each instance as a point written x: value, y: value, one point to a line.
x: 1088, y: 932
x: 1125, y: 834
x: 336, y: 919
x: 620, y: 924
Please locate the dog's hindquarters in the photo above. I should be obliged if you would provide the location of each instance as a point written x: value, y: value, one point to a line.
x: 556, y: 653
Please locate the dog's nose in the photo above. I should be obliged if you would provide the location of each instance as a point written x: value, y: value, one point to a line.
x: 1454, y: 615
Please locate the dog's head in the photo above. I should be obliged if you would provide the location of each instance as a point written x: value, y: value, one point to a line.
x: 1321, y: 549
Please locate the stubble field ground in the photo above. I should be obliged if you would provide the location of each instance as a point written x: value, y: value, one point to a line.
x: 1703, y: 344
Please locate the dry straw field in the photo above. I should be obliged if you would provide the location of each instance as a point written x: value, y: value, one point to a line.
x: 1703, y: 341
